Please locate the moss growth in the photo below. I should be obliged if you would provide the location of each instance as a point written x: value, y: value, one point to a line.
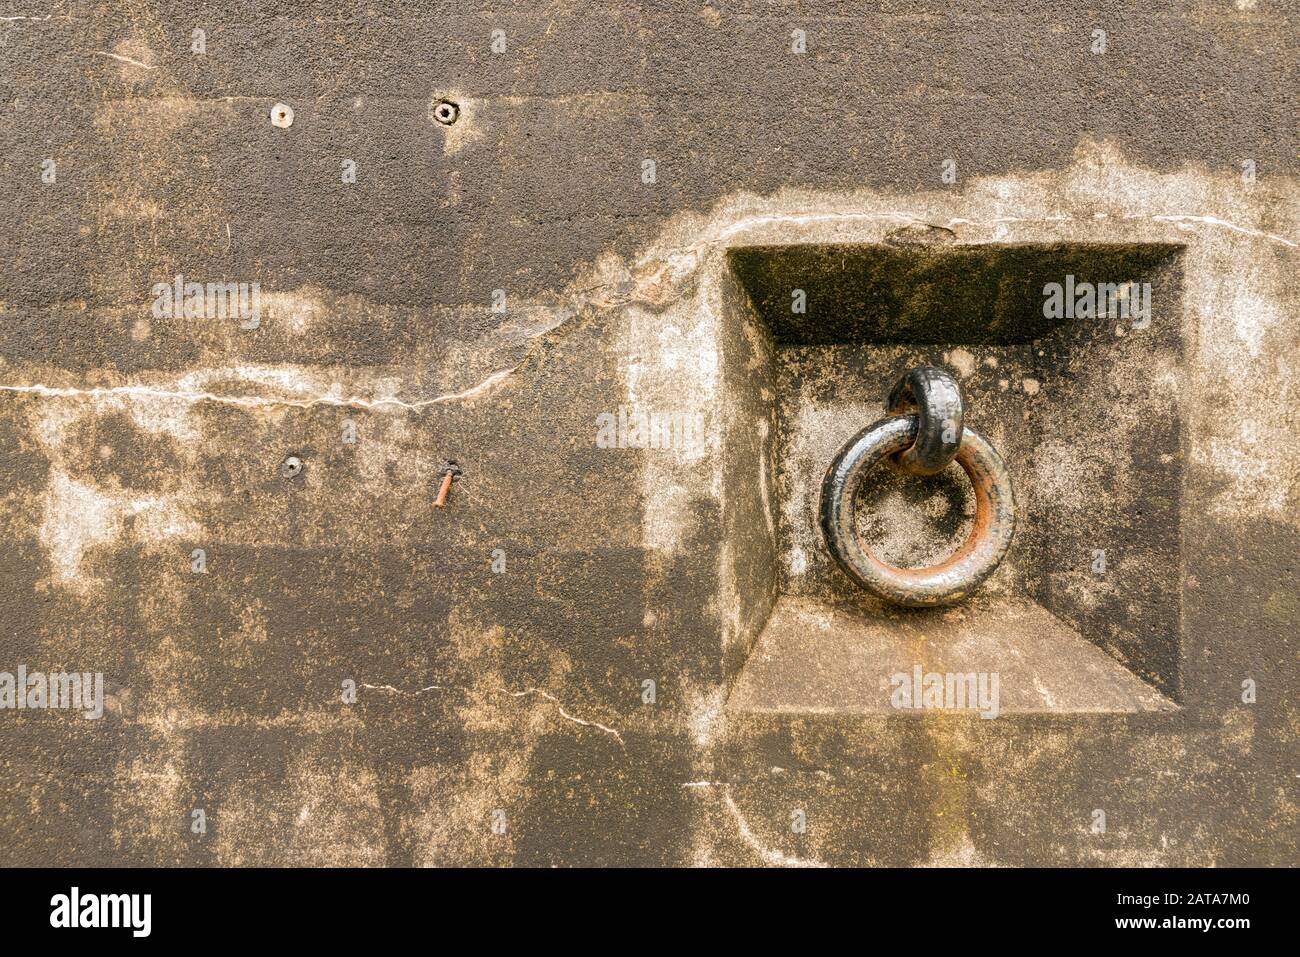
x: 978, y: 295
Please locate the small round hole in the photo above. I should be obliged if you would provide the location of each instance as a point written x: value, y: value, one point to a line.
x: 282, y: 115
x: 446, y: 112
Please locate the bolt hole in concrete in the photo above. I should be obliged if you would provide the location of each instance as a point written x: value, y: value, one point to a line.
x: 282, y: 115
x: 446, y: 112
x: 291, y: 467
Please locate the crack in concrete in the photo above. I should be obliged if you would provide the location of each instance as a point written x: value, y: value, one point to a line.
x: 1215, y: 221
x: 250, y: 401
x: 723, y: 233
x: 124, y: 59
x: 1176, y: 219
x: 768, y: 855
x: 674, y: 264
x: 559, y: 706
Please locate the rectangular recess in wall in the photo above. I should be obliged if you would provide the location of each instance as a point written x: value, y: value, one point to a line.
x: 1084, y: 614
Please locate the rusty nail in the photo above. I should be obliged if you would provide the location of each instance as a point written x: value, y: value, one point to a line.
x: 449, y: 471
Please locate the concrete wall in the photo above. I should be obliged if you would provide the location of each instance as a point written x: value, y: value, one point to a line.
x: 500, y: 647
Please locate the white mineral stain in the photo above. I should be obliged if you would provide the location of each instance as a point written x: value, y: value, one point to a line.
x: 961, y: 360
x: 77, y: 516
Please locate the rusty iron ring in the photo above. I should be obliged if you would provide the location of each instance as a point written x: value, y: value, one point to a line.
x: 953, y: 579
x: 935, y: 396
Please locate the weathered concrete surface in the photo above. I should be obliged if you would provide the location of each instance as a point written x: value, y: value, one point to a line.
x: 130, y: 440
x: 817, y: 660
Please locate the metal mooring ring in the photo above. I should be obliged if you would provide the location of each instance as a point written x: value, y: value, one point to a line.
x: 936, y: 397
x: 953, y: 579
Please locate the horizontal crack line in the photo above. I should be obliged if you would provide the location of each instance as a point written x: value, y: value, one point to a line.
x: 1215, y: 221
x: 1177, y: 219
x: 509, y: 693
x: 124, y: 59
x: 667, y: 259
x: 252, y: 402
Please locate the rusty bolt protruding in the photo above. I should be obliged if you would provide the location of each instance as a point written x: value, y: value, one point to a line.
x: 291, y: 467
x: 446, y: 112
x: 450, y: 471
